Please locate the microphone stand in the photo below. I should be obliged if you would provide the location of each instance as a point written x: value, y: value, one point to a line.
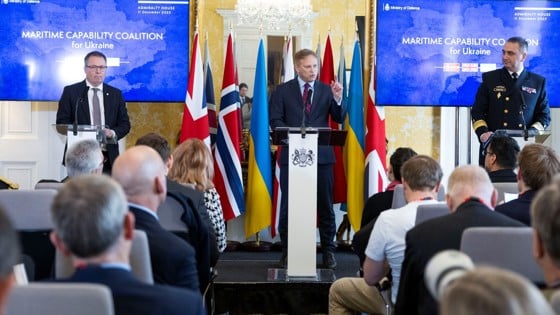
x: 303, y: 113
x: 523, y: 107
x: 78, y: 101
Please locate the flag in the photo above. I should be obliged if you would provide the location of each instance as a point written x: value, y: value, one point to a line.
x: 318, y: 53
x: 342, y: 73
x: 354, y: 148
x: 376, y: 147
x: 327, y: 76
x: 287, y: 60
x: 289, y: 74
x: 209, y: 92
x: 227, y: 163
x: 195, y: 114
x: 259, y: 184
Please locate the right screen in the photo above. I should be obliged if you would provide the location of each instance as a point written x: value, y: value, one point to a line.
x: 433, y: 53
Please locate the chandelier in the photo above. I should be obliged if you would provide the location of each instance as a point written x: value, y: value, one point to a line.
x: 274, y: 14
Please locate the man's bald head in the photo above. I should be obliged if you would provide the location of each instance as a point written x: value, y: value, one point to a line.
x: 470, y: 181
x: 141, y: 173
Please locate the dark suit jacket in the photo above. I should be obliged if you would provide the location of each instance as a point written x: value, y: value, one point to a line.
x: 197, y: 202
x: 520, y: 208
x: 132, y: 296
x: 375, y: 204
x: 173, y: 259
x: 503, y: 176
x: 430, y: 237
x: 286, y: 110
x: 116, y: 114
x: 498, y: 101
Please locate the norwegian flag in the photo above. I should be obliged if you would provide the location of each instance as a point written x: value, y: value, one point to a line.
x: 376, y: 150
x: 195, y: 115
x: 209, y: 93
x: 227, y: 153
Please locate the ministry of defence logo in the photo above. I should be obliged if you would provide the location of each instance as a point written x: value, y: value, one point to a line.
x: 303, y: 157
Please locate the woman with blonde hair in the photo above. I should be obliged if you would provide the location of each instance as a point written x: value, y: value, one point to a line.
x: 193, y: 166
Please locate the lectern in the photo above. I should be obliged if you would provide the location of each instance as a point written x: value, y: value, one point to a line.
x: 524, y: 136
x: 77, y: 133
x: 302, y: 146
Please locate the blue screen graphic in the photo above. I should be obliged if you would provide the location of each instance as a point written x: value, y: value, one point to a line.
x: 433, y: 53
x: 43, y: 43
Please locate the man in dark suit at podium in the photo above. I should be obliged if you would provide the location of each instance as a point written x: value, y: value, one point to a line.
x: 511, y: 97
x: 306, y: 102
x: 92, y: 102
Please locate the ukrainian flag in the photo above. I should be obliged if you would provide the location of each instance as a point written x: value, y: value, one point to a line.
x: 259, y: 185
x: 354, y: 147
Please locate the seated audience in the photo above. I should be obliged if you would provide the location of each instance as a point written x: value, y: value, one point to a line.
x: 200, y: 230
x: 380, y: 202
x: 9, y: 257
x: 141, y: 173
x: 500, y: 159
x: 545, y: 214
x: 92, y: 224
x: 537, y: 165
x: 471, y: 198
x: 193, y: 166
x: 421, y: 176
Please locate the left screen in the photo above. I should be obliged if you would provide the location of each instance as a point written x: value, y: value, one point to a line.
x: 43, y: 44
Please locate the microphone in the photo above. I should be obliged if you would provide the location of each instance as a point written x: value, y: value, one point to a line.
x: 303, y: 112
x: 523, y: 106
x: 78, y: 101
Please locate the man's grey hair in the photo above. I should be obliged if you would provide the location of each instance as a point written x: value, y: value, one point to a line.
x: 9, y: 246
x: 83, y: 157
x: 88, y: 214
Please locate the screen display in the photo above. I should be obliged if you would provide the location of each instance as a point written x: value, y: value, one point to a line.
x: 44, y: 42
x: 433, y: 53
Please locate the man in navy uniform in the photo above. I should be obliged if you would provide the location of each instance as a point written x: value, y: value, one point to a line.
x: 511, y: 97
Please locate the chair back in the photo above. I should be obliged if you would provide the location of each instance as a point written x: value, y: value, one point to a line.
x: 49, y: 185
x: 60, y: 298
x: 29, y: 210
x: 430, y: 211
x: 140, y: 262
x: 398, y: 196
x: 503, y: 188
x: 169, y: 214
x: 504, y: 247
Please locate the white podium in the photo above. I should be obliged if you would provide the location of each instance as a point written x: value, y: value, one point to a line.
x: 302, y: 199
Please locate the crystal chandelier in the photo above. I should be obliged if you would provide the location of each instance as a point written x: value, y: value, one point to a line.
x: 274, y: 14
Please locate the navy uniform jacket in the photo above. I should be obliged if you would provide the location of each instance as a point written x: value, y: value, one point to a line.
x: 286, y: 110
x: 116, y: 114
x: 132, y: 296
x: 498, y: 102
x: 430, y: 237
x: 173, y: 259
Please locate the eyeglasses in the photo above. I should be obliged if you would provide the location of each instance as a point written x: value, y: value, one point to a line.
x: 101, y: 68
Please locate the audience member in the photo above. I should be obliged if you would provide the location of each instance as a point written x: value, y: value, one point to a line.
x: 84, y: 157
x: 492, y: 291
x: 421, y: 176
x: 193, y: 166
x: 200, y: 232
x: 537, y: 165
x: 470, y: 197
x: 92, y: 224
x: 380, y: 202
x: 10, y: 249
x: 545, y: 214
x: 141, y: 173
x: 500, y: 159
